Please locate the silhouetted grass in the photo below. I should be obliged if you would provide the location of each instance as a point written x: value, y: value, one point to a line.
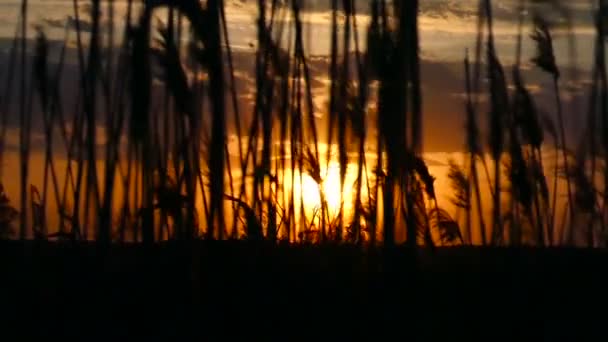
x: 166, y: 152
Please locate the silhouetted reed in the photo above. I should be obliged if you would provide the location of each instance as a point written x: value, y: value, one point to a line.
x: 168, y: 172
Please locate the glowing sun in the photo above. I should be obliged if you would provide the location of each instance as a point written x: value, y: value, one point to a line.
x: 330, y: 186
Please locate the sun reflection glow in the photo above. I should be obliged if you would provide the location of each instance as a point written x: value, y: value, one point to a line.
x: 311, y: 193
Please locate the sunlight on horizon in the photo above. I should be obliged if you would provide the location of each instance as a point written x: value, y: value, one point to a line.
x: 310, y: 191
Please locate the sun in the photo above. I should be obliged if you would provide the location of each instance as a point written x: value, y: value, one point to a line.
x: 331, y: 188
x: 308, y: 191
x: 311, y: 196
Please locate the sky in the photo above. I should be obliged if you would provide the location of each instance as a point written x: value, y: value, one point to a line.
x: 447, y: 27
x: 447, y: 30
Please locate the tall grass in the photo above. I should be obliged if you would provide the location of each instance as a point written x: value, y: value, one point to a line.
x: 168, y: 173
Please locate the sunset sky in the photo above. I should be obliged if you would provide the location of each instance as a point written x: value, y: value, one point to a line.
x: 447, y: 27
x: 447, y: 30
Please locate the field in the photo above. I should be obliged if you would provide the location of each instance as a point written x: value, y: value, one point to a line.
x: 217, y: 290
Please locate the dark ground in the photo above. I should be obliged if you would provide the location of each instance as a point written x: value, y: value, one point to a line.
x: 216, y: 290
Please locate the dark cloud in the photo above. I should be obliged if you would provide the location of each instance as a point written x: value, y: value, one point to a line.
x: 54, y: 23
x: 577, y: 12
x: 573, y: 13
x: 445, y: 8
x: 442, y: 84
x: 361, y: 6
x: 69, y: 22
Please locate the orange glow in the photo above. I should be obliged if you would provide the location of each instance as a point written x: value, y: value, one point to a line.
x: 309, y: 190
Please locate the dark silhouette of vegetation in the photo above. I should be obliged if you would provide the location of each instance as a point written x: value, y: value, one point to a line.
x: 194, y: 151
x: 7, y: 215
x: 182, y: 149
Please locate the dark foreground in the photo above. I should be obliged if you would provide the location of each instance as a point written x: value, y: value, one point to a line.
x: 219, y: 290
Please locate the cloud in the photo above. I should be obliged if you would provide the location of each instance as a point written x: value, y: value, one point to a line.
x: 54, y: 23
x: 70, y: 22
x: 442, y: 82
x: 446, y: 8
x: 507, y: 10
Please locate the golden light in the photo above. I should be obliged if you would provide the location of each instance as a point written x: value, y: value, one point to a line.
x: 331, y: 189
x: 308, y: 190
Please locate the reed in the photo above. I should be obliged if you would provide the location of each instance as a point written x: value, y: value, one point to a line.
x: 168, y: 172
